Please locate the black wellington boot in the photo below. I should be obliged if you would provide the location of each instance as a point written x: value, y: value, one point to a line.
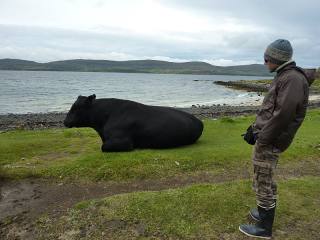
x: 262, y: 229
x: 254, y: 213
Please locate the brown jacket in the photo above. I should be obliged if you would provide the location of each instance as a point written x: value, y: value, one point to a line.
x: 284, y: 107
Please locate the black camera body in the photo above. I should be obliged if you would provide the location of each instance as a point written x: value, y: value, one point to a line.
x: 250, y: 137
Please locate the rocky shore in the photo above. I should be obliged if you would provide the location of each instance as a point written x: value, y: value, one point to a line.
x: 31, y: 121
x: 245, y: 85
x: 55, y: 120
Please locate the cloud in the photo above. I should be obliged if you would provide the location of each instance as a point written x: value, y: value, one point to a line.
x: 221, y: 32
x: 48, y: 44
x: 229, y: 62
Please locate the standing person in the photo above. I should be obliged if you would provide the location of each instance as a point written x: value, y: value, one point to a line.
x: 281, y: 114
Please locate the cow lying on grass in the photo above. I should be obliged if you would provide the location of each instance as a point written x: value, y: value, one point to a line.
x: 124, y: 125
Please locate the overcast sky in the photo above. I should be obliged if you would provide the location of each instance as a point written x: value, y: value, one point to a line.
x: 218, y: 32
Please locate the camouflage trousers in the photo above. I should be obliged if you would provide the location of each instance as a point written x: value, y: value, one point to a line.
x: 265, y: 159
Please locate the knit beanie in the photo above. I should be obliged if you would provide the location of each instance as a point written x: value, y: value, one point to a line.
x: 279, y: 52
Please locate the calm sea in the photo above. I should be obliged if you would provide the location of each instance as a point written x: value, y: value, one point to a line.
x: 42, y: 91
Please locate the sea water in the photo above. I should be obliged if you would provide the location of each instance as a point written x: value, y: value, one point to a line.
x: 50, y: 91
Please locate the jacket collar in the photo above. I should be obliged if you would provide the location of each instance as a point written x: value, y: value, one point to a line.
x: 284, y: 65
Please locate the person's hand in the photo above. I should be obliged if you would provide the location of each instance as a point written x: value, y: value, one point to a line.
x: 250, y: 137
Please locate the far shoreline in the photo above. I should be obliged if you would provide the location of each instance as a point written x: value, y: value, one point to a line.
x: 137, y: 72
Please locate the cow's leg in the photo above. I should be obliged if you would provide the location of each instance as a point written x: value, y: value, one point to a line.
x: 117, y: 145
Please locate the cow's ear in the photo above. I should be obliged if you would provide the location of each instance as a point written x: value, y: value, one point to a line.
x: 91, y: 98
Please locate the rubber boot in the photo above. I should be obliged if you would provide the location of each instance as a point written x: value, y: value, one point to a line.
x: 254, y: 213
x: 263, y: 228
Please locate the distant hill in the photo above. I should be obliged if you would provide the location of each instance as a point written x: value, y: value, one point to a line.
x: 135, y: 66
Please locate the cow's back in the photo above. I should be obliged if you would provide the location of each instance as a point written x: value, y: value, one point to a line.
x: 161, y: 127
x: 150, y: 126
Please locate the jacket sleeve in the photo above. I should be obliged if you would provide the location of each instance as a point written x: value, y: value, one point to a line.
x: 290, y: 95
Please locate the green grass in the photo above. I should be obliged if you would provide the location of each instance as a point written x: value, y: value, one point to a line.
x: 75, y: 153
x: 202, y: 211
x: 194, y: 212
x: 316, y: 85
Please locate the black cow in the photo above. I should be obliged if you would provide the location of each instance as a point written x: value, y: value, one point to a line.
x: 124, y: 125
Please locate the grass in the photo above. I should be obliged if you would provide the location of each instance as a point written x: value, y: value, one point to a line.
x: 75, y: 153
x: 194, y: 212
x: 316, y: 85
x: 201, y: 211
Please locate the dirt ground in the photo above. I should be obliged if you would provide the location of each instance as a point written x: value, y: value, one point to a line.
x: 22, y: 202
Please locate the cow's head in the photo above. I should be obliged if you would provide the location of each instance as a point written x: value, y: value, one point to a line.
x: 79, y: 114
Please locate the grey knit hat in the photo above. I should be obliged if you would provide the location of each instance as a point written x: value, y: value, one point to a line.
x: 279, y: 52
